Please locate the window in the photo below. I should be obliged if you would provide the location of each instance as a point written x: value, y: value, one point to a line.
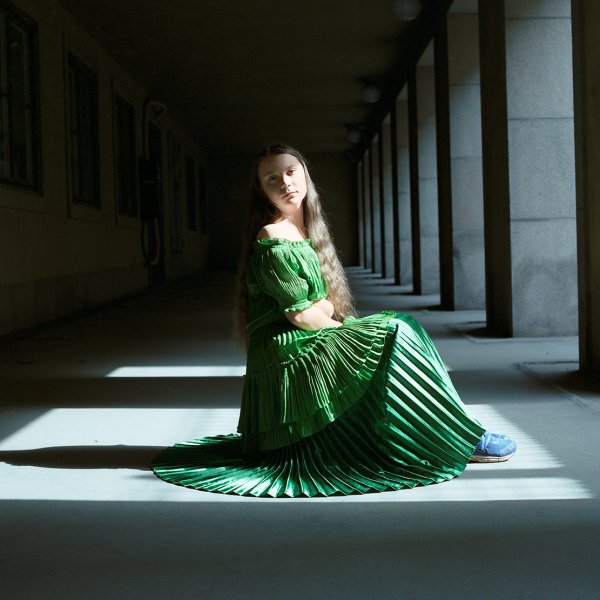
x: 202, y: 203
x: 125, y: 157
x: 19, y: 112
x: 174, y: 175
x: 190, y: 187
x: 83, y: 133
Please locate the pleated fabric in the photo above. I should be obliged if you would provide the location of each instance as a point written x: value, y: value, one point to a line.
x: 407, y: 427
x: 299, y: 381
x: 281, y: 276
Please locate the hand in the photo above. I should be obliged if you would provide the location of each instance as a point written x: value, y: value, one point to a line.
x: 324, y: 306
x: 313, y: 318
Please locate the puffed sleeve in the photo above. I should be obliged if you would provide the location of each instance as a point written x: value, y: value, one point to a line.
x: 278, y: 274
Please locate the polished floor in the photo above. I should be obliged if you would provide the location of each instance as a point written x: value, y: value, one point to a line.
x: 87, y: 401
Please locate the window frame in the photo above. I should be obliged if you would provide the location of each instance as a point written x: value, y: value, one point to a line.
x: 79, y: 67
x: 191, y: 192
x: 202, y: 199
x: 120, y: 102
x: 174, y: 191
x: 9, y: 14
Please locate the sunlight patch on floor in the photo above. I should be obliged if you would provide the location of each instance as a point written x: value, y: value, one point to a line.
x: 133, y: 428
x: 530, y: 453
x: 130, y: 426
x: 181, y: 371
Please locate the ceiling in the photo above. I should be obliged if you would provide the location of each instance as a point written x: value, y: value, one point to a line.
x: 241, y: 73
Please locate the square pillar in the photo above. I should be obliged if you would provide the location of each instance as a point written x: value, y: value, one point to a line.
x: 387, y: 229
x: 528, y: 167
x: 464, y: 101
x: 413, y: 166
x: 404, y: 193
x: 375, y: 206
x: 586, y: 63
x: 361, y: 212
x: 428, y: 194
x: 368, y: 213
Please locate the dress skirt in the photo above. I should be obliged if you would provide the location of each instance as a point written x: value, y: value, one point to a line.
x: 406, y: 426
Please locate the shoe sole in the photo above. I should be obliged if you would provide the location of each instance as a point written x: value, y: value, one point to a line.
x: 490, y: 459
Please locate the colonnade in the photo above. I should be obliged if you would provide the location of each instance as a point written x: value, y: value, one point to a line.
x: 468, y: 189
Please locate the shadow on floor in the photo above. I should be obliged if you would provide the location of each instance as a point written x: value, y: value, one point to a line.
x: 84, y: 457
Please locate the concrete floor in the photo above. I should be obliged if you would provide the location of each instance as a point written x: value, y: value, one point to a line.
x: 87, y: 401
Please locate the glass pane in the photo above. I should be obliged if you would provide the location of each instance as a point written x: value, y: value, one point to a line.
x: 73, y: 135
x: 4, y: 155
x: 190, y: 191
x: 202, y: 201
x: 83, y: 113
x: 2, y: 52
x: 174, y: 151
x: 126, y: 168
x: 20, y: 105
x: 87, y: 136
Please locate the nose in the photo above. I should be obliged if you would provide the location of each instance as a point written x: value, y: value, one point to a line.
x: 286, y: 181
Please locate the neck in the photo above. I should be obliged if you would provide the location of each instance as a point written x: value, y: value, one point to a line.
x: 295, y: 219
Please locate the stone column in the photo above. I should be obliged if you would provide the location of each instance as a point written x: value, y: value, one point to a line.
x: 468, y: 256
x: 388, y: 209
x: 404, y: 211
x: 444, y: 183
x: 413, y: 160
x: 375, y: 206
x: 428, y: 197
x: 586, y: 62
x: 368, y: 186
x: 361, y: 213
x: 528, y: 167
x: 394, y: 191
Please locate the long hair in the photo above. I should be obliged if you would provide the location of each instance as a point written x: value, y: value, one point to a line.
x: 262, y: 212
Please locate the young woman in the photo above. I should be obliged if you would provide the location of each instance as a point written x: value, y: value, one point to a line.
x: 333, y: 403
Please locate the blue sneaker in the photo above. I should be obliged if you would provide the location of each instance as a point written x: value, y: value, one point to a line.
x: 493, y: 447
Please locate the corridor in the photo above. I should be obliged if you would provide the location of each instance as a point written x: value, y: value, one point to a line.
x: 450, y: 168
x: 96, y: 396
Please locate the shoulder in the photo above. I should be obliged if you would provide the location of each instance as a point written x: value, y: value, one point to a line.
x: 274, y: 230
x: 265, y: 232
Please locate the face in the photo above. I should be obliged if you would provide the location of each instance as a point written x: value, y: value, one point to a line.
x: 283, y: 181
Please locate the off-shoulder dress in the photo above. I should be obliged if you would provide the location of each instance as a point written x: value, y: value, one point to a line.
x: 364, y: 407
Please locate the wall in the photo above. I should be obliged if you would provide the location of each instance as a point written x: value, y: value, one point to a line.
x: 59, y: 257
x: 335, y: 178
x: 229, y: 187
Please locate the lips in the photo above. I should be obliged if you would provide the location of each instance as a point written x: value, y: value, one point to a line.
x: 289, y: 194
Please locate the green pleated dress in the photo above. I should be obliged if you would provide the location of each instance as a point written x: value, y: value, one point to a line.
x: 365, y: 407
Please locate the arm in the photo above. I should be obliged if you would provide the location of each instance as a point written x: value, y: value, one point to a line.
x: 279, y: 275
x: 325, y: 306
x: 311, y: 319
